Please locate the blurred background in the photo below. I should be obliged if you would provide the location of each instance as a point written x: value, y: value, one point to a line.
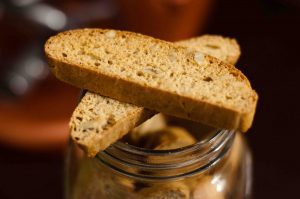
x: 35, y: 107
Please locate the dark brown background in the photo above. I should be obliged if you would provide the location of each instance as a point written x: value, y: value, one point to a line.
x: 268, y: 32
x: 269, y: 36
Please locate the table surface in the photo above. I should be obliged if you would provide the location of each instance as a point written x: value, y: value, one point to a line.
x: 270, y: 53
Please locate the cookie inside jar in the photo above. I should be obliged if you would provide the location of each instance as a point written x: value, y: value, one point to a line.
x: 164, y: 132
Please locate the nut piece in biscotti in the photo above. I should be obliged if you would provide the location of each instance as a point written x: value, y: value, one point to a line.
x: 154, y: 74
x: 207, y: 188
x: 175, y: 190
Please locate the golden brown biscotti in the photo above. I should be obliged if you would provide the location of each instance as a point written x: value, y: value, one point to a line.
x: 223, y: 48
x: 155, y: 74
x: 97, y: 122
x: 89, y: 139
x: 134, y: 112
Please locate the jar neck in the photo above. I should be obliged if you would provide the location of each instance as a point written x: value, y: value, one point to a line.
x: 145, y: 164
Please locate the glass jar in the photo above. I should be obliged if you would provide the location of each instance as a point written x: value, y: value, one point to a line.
x: 216, y: 167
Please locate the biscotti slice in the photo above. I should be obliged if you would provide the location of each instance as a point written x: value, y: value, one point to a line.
x: 97, y: 122
x: 91, y: 140
x: 155, y: 74
x: 223, y: 48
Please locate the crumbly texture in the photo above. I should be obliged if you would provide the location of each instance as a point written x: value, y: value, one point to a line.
x: 97, y: 122
x: 167, y: 191
x: 223, y: 48
x: 148, y: 72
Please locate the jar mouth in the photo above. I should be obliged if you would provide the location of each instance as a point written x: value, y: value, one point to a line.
x: 169, y: 152
x: 148, y: 164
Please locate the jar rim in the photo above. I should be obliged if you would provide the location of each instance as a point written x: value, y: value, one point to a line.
x: 168, y: 152
x: 126, y: 159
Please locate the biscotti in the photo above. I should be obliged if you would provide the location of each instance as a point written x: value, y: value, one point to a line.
x: 155, y: 74
x: 99, y: 121
x: 108, y: 34
x: 88, y: 133
x: 223, y: 48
